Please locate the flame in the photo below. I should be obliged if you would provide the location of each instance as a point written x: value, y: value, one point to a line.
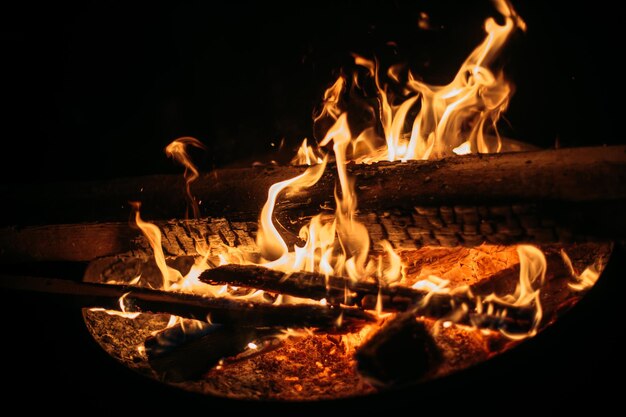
x: 306, y: 155
x: 352, y: 235
x: 177, y: 151
x: 452, y: 118
x: 153, y: 234
x: 587, y: 278
x: 532, y: 276
x: 269, y: 240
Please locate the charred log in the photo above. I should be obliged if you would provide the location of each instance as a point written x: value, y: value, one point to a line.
x: 338, y: 290
x: 181, y: 353
x: 541, y: 196
x: 401, y: 351
x: 216, y: 310
x: 527, y: 197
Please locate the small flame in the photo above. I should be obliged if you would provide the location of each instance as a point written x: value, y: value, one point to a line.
x: 532, y: 275
x: 123, y: 312
x: 153, y: 234
x: 306, y: 155
x: 585, y: 280
x: 177, y: 151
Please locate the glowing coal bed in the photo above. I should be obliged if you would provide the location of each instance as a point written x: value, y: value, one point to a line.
x: 304, y: 364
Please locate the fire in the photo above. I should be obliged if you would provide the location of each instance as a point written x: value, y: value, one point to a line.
x: 177, y: 151
x: 587, y: 278
x: 306, y: 155
x: 269, y: 240
x: 457, y: 118
x: 531, y: 277
x: 450, y: 118
x: 153, y: 234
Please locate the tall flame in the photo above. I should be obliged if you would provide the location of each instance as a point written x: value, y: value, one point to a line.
x: 353, y: 235
x: 269, y: 240
x: 451, y: 118
x: 153, y: 234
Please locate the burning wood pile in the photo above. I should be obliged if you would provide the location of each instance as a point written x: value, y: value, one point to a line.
x: 384, y: 256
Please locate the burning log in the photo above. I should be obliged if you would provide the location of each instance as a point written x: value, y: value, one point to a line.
x: 338, y: 290
x: 540, y: 196
x: 401, y: 351
x: 216, y: 310
x: 543, y: 196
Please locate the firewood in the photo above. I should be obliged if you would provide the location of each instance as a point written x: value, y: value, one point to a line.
x: 215, y: 310
x: 181, y: 353
x: 542, y: 196
x: 339, y: 290
x: 401, y: 351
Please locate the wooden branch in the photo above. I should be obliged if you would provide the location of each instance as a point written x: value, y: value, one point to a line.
x: 339, y: 290
x: 217, y: 310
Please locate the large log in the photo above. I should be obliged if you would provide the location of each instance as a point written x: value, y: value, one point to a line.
x: 217, y: 310
x: 564, y: 175
x: 526, y: 197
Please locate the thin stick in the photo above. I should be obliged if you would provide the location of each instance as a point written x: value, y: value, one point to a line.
x: 217, y: 310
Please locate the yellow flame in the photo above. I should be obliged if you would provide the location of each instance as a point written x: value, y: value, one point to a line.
x: 452, y: 117
x: 332, y: 95
x: 153, y: 234
x: 352, y: 235
x: 532, y: 275
x: 306, y: 155
x: 177, y: 151
x: 587, y: 278
x: 269, y: 240
x: 123, y: 311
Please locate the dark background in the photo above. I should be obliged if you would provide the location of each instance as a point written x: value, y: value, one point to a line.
x: 97, y: 90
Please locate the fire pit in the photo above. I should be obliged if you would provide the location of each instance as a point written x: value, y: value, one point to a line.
x: 321, y: 364
x: 411, y: 243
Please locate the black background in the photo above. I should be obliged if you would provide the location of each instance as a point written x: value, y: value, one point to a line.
x: 97, y: 89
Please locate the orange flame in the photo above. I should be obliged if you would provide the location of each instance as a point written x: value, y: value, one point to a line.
x: 269, y: 240
x: 306, y: 155
x: 452, y: 118
x: 587, y: 278
x: 153, y: 234
x: 532, y: 276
